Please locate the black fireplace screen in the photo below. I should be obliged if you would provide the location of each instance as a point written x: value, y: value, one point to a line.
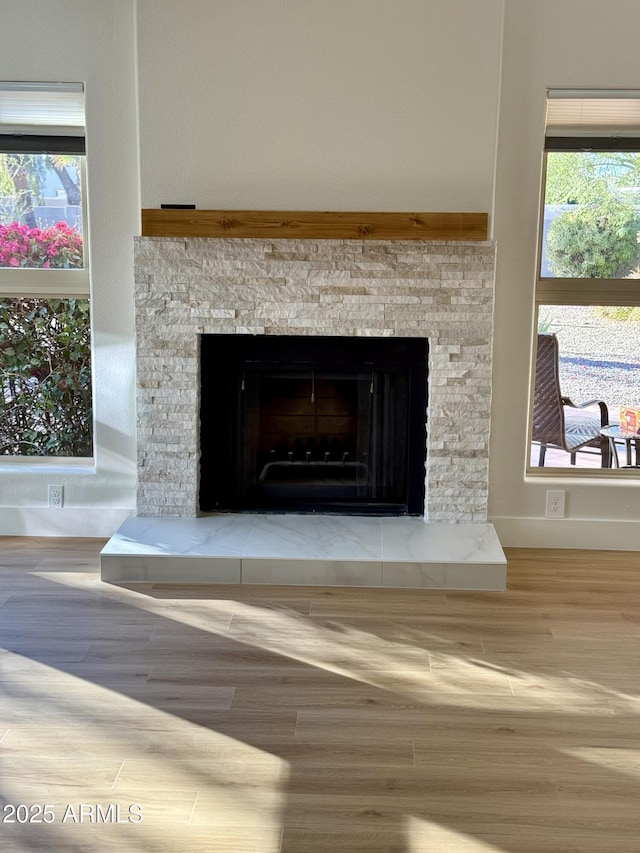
x: 303, y: 424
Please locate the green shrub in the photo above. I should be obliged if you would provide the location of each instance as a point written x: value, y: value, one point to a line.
x: 45, y: 374
x: 591, y: 243
x: 621, y: 312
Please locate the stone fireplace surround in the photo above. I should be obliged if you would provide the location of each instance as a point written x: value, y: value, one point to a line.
x: 441, y: 290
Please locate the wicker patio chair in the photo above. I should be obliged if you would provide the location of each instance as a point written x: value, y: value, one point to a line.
x: 557, y: 421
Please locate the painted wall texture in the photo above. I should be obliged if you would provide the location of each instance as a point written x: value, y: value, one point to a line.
x: 300, y: 105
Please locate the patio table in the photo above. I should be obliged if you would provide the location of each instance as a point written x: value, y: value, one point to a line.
x: 614, y: 432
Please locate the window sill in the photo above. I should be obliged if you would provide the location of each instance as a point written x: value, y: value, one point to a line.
x: 585, y: 477
x: 48, y: 465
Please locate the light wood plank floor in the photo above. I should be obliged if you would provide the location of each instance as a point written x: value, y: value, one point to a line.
x: 300, y: 720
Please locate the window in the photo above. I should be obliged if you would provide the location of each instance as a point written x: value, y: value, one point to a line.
x: 45, y: 360
x: 588, y: 284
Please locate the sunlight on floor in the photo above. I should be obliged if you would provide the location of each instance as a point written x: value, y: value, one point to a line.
x: 73, y: 743
x: 417, y: 665
x: 289, y: 719
x: 423, y: 835
x: 621, y: 760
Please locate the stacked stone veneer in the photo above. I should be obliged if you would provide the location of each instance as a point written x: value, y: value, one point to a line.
x: 442, y: 291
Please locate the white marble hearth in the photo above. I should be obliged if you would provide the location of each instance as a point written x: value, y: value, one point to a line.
x: 306, y: 549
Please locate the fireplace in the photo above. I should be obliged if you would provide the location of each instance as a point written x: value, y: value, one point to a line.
x: 313, y: 424
x: 309, y: 347
x: 189, y: 290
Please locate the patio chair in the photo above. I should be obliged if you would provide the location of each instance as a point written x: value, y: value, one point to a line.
x: 557, y: 421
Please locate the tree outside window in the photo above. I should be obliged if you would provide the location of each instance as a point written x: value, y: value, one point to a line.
x: 592, y: 206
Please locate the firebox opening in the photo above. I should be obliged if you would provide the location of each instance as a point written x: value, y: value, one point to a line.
x: 307, y: 424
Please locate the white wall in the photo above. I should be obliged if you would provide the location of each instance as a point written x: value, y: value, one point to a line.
x: 91, y: 41
x: 549, y: 43
x: 338, y: 104
x: 319, y: 104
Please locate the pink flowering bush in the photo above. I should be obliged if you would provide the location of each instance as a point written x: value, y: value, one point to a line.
x: 58, y: 246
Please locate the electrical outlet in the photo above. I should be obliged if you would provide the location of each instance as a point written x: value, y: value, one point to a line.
x: 56, y: 496
x: 555, y: 504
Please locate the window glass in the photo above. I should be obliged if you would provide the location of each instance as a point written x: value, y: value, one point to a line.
x: 598, y: 360
x: 45, y: 332
x: 591, y: 215
x: 45, y: 377
x: 585, y: 356
x: 41, y: 211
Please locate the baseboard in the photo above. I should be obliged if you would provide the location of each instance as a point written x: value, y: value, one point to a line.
x: 596, y: 535
x: 68, y: 522
x: 590, y: 534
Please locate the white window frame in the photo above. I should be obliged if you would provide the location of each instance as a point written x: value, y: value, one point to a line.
x: 51, y: 109
x: 57, y: 282
x: 618, y: 117
x: 47, y: 109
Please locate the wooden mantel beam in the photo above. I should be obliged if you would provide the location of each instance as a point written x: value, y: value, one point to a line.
x: 313, y: 225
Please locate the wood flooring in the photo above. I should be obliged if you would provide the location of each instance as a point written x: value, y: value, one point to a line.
x: 199, y: 719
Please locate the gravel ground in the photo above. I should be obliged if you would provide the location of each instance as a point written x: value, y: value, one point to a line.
x: 599, y: 357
